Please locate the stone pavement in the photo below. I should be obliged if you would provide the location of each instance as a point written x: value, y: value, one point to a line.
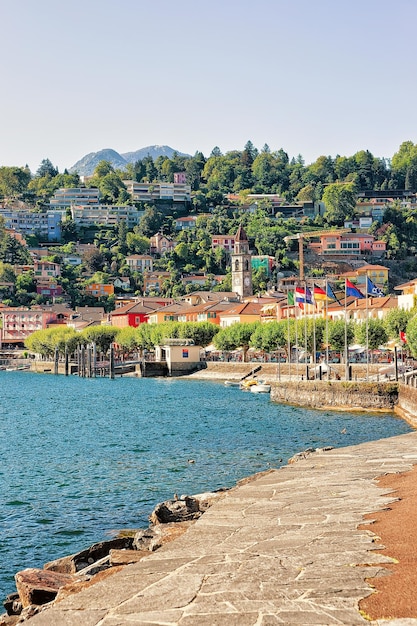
x: 282, y: 548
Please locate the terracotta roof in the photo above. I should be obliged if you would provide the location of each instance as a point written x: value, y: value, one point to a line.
x: 385, y: 302
x: 246, y: 308
x: 405, y: 285
x: 241, y: 234
x: 135, y: 307
x: 205, y: 306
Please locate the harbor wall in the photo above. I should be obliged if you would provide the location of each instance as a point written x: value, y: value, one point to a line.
x: 349, y: 395
x: 272, y: 372
x: 324, y: 394
x: 407, y: 404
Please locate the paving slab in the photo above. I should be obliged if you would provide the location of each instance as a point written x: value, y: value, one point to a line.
x: 282, y: 548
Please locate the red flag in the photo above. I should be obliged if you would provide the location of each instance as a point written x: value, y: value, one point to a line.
x: 403, y: 337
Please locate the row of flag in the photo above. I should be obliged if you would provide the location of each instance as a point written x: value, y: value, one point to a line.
x: 304, y: 295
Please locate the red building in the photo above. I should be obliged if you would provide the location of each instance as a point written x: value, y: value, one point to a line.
x: 136, y: 313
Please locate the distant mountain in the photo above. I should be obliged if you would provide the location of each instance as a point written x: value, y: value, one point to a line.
x: 87, y: 165
x: 153, y: 151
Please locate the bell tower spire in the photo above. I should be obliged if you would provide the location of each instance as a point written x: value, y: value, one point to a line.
x: 241, y: 265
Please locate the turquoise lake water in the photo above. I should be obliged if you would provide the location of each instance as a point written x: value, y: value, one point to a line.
x: 83, y: 458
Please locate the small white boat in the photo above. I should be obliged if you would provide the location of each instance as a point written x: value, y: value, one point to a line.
x: 260, y: 388
x: 232, y: 383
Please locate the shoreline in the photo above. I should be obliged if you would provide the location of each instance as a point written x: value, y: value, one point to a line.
x: 326, y: 480
x: 253, y: 477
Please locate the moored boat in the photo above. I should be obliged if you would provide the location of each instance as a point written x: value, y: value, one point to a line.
x: 260, y: 388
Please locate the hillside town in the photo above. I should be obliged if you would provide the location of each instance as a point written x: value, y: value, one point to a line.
x: 76, y: 260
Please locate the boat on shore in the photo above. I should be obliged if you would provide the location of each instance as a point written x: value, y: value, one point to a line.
x: 260, y: 388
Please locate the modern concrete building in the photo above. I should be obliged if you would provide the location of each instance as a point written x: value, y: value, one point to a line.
x: 46, y: 226
x: 145, y: 192
x: 107, y: 215
x: 65, y: 198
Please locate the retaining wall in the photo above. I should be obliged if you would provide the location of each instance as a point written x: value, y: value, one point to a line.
x: 337, y: 395
x: 407, y: 404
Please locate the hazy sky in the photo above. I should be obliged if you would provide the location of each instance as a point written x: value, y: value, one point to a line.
x: 310, y: 76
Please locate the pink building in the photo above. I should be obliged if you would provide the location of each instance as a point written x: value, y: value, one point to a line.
x: 19, y: 323
x: 180, y: 177
x: 348, y: 244
x: 46, y: 269
x: 227, y: 242
x: 160, y: 244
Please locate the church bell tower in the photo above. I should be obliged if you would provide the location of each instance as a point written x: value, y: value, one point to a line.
x: 241, y: 265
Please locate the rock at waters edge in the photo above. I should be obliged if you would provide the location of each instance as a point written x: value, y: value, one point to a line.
x: 39, y: 586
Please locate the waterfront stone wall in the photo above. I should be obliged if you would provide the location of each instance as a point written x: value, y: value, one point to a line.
x: 350, y: 395
x: 232, y: 370
x: 407, y: 404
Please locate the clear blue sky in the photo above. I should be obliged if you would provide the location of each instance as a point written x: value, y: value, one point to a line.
x: 311, y: 77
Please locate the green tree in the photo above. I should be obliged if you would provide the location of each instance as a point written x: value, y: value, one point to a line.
x: 235, y: 336
x: 396, y: 321
x: 137, y: 244
x: 7, y: 274
x: 270, y: 336
x: 11, y: 251
x: 13, y: 181
x: 46, y: 169
x: 201, y: 333
x: 102, y: 336
x: 372, y: 333
x: 127, y: 338
x: 93, y: 260
x: 337, y: 334
x: 412, y: 335
x: 45, y: 342
x: 340, y: 202
x: 150, y: 222
x: 144, y: 338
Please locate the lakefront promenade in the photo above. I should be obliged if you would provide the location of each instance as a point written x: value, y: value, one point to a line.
x: 287, y: 546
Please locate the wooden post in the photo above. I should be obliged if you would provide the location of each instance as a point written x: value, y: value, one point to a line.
x: 111, y: 368
x: 89, y: 363
x: 83, y: 361
x: 56, y: 358
x: 66, y: 361
x: 94, y: 359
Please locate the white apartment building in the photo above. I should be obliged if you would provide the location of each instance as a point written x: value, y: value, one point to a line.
x: 140, y: 262
x: 108, y: 215
x: 65, y: 198
x: 145, y: 192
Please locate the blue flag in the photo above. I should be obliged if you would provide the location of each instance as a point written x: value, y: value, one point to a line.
x: 330, y: 292
x: 373, y: 290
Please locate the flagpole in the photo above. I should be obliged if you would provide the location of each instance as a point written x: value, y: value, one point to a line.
x: 367, y: 330
x: 314, y: 329
x: 327, y: 333
x: 346, y: 346
x: 288, y: 339
x: 305, y: 328
x: 296, y: 341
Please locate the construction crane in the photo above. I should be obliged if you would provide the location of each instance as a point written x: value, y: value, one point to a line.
x: 316, y: 233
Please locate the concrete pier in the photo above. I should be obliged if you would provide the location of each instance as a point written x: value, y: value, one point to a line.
x: 283, y: 547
